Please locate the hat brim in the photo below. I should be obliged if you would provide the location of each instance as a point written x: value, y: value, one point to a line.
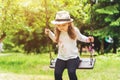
x: 61, y: 22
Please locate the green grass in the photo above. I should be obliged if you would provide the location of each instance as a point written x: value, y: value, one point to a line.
x: 28, y: 64
x: 107, y: 67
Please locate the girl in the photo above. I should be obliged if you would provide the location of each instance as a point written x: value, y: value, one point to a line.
x: 66, y: 36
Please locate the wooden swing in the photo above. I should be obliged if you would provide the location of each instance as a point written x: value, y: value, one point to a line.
x: 85, y: 63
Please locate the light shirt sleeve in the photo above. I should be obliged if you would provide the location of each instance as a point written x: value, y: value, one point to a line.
x: 80, y: 36
x: 51, y: 35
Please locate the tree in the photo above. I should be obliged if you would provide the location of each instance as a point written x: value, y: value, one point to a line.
x: 107, y: 20
x: 24, y: 21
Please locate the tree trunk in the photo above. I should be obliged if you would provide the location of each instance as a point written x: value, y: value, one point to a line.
x: 115, y: 44
x: 102, y: 46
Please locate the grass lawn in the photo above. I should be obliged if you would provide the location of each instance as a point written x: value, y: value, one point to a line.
x: 36, y: 67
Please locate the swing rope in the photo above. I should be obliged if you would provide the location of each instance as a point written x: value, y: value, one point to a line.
x: 47, y: 26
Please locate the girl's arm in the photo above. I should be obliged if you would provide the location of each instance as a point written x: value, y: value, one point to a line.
x: 80, y: 36
x: 50, y: 34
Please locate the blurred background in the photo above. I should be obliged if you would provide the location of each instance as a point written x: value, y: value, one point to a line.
x: 22, y: 24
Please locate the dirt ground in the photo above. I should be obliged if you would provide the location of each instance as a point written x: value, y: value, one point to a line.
x: 12, y: 76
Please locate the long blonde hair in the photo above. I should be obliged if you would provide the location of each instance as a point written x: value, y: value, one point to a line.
x: 71, y: 32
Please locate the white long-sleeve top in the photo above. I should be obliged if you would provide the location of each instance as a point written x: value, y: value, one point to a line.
x: 67, y: 47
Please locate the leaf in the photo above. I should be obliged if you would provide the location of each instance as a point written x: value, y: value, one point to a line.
x: 108, y: 10
x: 107, y: 19
x: 115, y: 23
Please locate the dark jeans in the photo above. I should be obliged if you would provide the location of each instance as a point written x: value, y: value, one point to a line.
x: 71, y: 66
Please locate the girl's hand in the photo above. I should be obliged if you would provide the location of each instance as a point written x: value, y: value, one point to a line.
x: 47, y: 31
x: 90, y: 39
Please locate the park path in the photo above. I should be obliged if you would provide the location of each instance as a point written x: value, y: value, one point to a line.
x: 12, y: 76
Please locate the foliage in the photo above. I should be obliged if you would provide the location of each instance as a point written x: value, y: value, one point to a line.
x: 24, y: 21
x: 110, y: 10
x: 31, y: 41
x: 107, y: 18
x: 21, y: 19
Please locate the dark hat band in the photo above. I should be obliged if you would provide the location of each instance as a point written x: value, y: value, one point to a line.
x: 63, y: 20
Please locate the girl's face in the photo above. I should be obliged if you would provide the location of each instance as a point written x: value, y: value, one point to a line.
x: 62, y: 27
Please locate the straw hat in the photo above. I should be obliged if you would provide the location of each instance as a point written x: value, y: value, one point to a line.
x: 62, y: 17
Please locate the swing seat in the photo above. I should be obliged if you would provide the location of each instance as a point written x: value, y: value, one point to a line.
x: 85, y: 63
